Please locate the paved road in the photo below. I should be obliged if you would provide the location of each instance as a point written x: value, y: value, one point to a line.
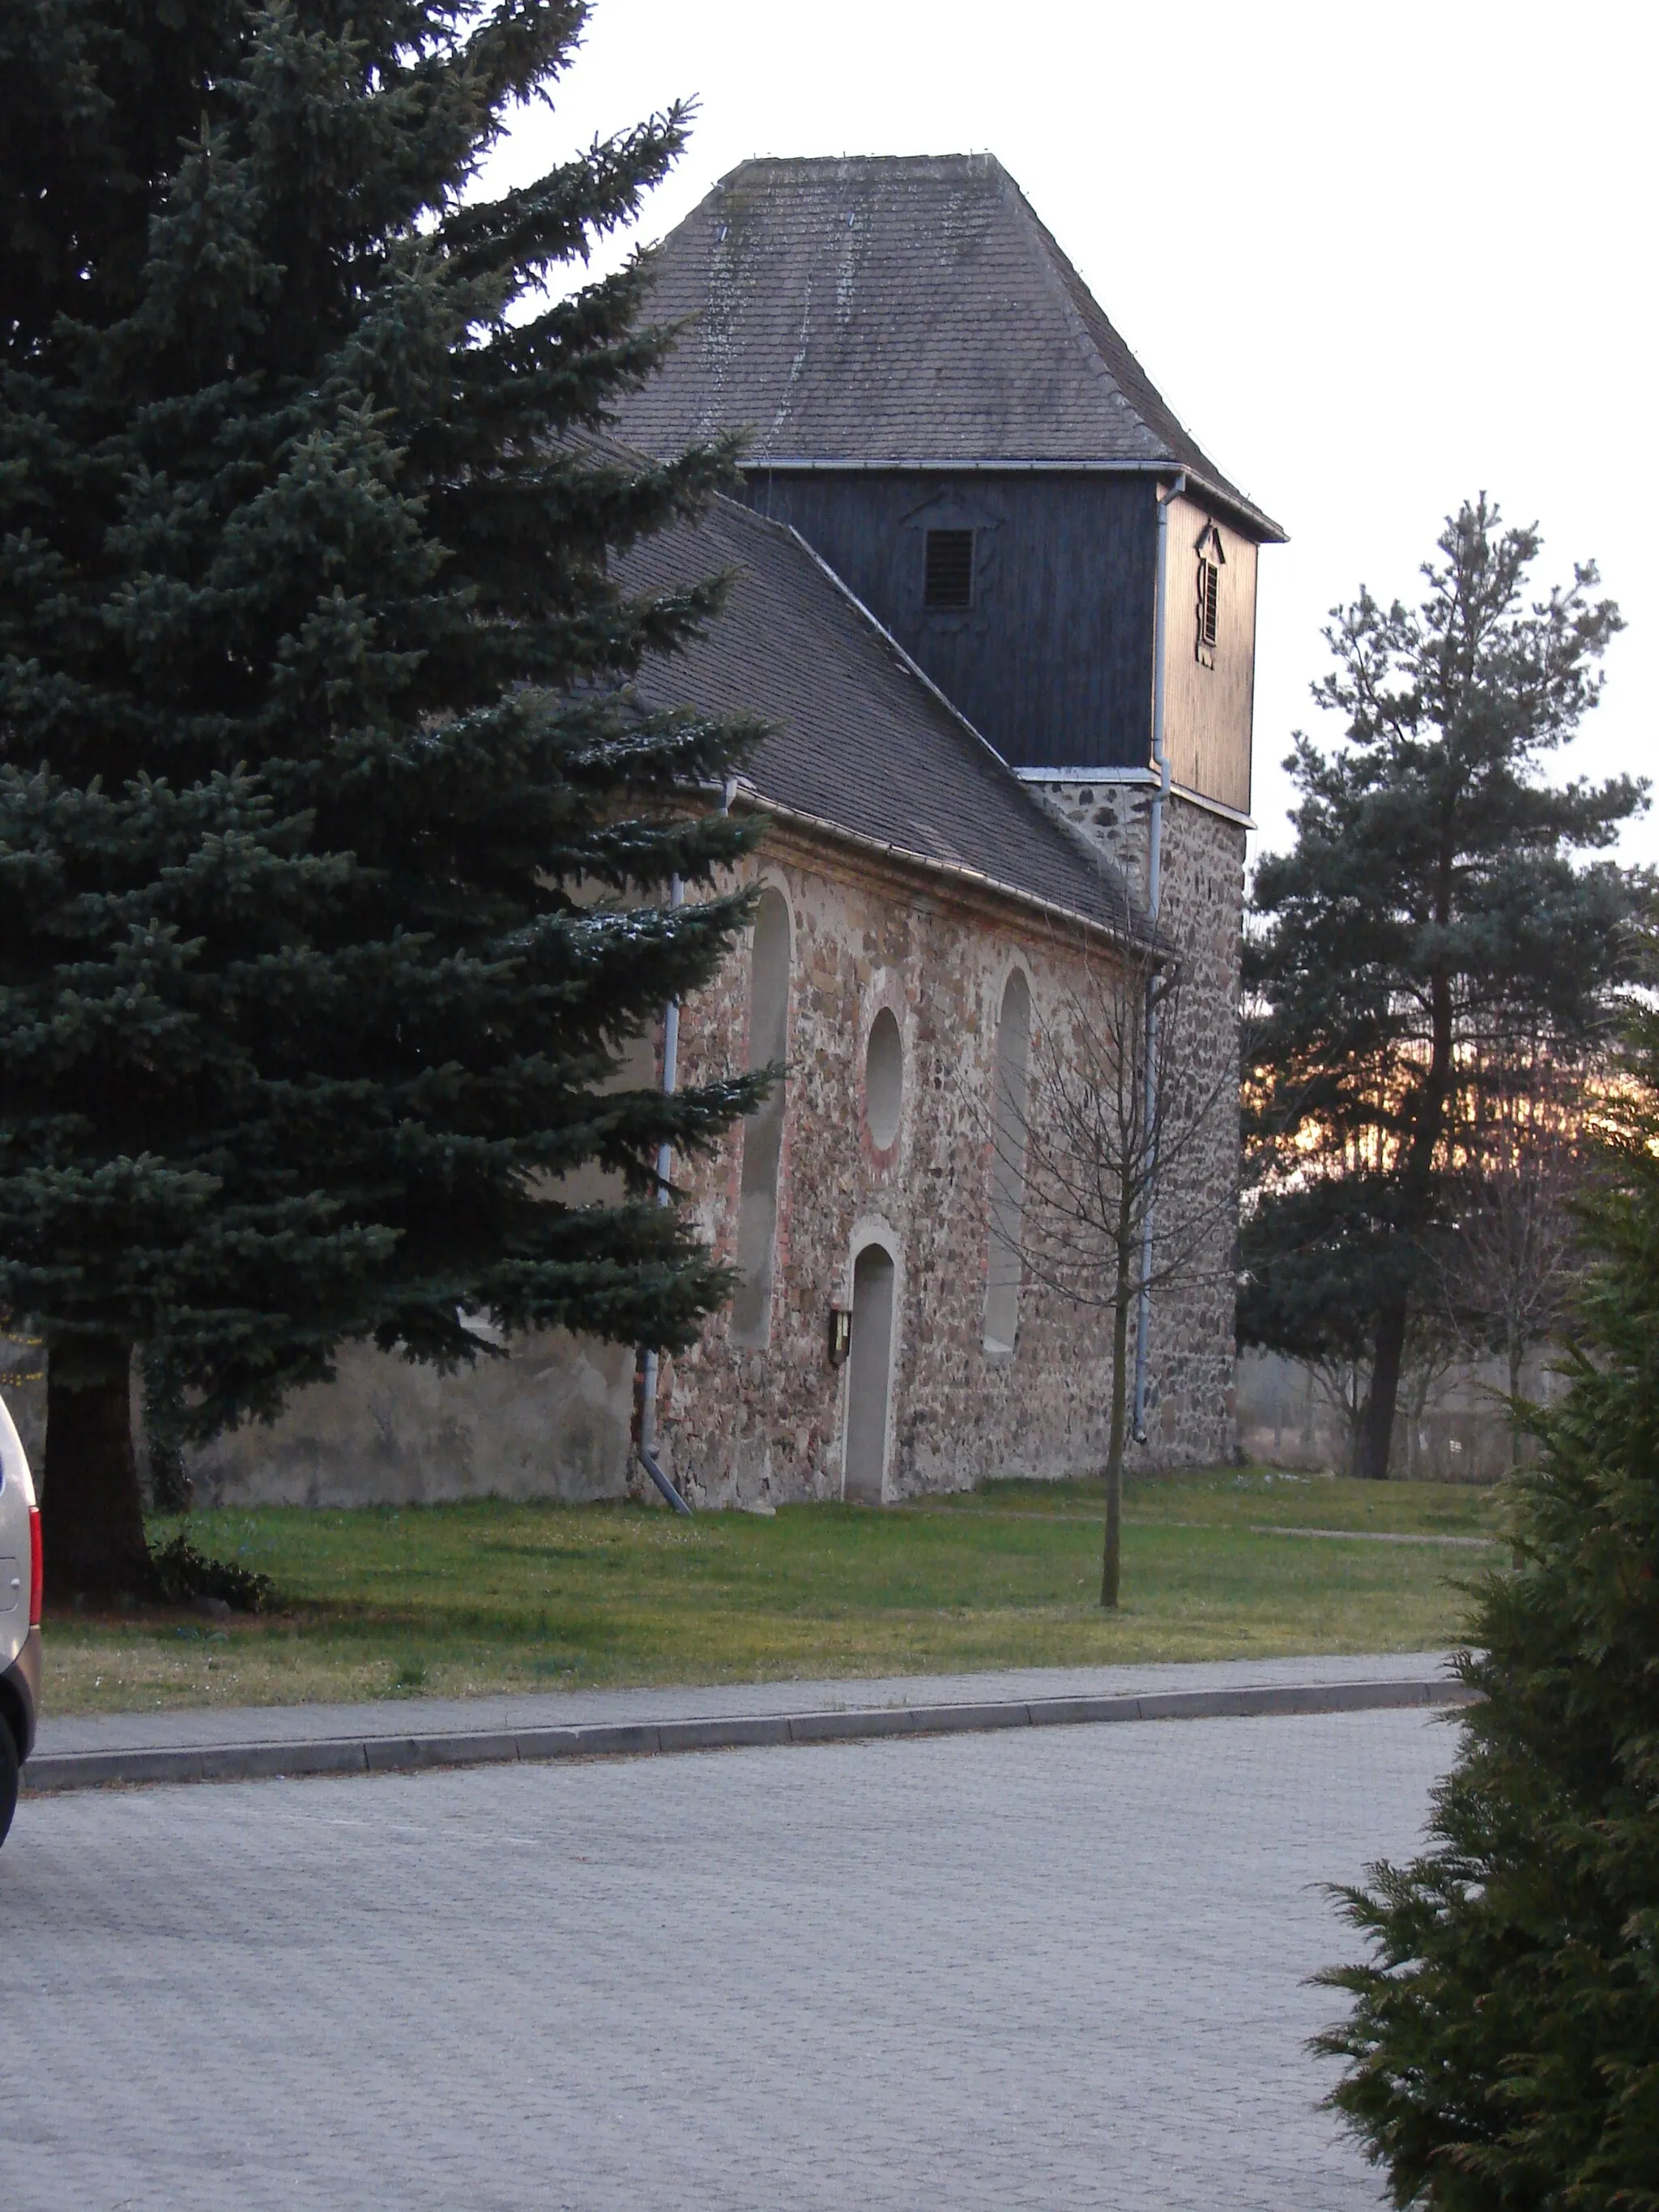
x: 1048, y: 1970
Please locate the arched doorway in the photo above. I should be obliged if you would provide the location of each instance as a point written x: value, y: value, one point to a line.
x: 868, y: 1371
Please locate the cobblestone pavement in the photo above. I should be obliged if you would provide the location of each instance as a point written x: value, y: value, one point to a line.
x: 1047, y: 1970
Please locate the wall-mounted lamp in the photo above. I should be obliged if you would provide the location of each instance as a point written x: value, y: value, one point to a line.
x: 841, y: 1335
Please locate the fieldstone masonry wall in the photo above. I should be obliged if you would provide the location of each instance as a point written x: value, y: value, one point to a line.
x: 1191, y: 1351
x: 1114, y: 816
x: 752, y: 1426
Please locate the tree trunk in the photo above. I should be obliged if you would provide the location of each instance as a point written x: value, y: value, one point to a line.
x: 92, y: 1515
x: 1419, y: 1193
x: 1111, y: 1565
x: 1415, y: 1402
x: 1517, y: 1352
x: 1377, y: 1433
x: 1355, y: 1398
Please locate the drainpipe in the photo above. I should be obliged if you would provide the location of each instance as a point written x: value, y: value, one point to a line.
x: 1154, y: 893
x: 671, y: 1059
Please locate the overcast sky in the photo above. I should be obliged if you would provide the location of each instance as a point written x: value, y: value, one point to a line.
x: 1378, y: 258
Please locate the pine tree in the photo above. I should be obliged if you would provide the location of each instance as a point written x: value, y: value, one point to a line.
x: 1504, y: 2038
x: 1312, y: 1259
x: 332, y: 848
x: 1432, y: 907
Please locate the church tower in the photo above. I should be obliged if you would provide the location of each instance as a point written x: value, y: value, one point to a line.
x: 932, y: 398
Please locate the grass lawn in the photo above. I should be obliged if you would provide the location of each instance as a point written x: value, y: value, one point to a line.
x: 456, y: 1599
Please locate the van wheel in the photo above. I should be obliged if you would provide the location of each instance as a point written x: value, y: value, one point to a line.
x: 8, y: 1777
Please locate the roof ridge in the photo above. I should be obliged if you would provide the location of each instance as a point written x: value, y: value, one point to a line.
x: 983, y: 157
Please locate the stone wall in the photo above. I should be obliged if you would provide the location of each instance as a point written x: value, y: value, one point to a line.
x: 1191, y: 1355
x: 752, y: 1426
x: 760, y: 1424
x: 1114, y: 816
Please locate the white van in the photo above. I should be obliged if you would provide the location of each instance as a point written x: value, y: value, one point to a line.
x: 20, y: 1615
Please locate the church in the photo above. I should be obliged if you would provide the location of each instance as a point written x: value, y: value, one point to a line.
x: 997, y: 611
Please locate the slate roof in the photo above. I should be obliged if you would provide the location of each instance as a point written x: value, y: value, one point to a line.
x: 896, y: 311
x: 861, y: 741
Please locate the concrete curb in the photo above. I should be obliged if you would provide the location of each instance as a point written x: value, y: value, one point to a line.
x: 257, y: 1762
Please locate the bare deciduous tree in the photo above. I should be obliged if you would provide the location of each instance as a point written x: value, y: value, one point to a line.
x: 1108, y: 1148
x: 1345, y: 1385
x: 1512, y: 1258
x: 1432, y: 1352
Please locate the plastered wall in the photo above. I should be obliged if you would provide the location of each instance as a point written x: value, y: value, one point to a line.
x: 1208, y: 706
x: 550, y: 1421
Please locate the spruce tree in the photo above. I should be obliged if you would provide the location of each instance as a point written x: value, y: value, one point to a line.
x: 1504, y: 2038
x: 333, y: 852
x: 1431, y: 910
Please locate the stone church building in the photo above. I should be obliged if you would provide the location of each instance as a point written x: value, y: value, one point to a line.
x: 998, y: 610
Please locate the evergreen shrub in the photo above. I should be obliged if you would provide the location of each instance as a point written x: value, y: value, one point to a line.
x: 1503, y: 2043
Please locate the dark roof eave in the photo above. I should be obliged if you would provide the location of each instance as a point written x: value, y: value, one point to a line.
x: 1141, y: 935
x: 1255, y: 524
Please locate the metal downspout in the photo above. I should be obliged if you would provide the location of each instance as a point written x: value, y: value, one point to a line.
x: 1154, y: 893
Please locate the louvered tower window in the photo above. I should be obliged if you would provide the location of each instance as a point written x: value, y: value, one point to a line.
x: 1211, y: 559
x: 948, y: 573
x: 1209, y: 602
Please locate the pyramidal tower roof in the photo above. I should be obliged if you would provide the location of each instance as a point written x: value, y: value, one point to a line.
x: 897, y: 312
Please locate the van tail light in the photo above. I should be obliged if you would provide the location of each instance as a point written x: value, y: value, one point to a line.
x: 37, y: 1567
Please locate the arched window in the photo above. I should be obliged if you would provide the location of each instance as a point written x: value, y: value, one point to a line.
x: 1008, y: 1165
x: 762, y: 1131
x: 883, y: 1080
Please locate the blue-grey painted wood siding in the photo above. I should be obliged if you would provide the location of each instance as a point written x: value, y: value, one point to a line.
x: 1054, y: 661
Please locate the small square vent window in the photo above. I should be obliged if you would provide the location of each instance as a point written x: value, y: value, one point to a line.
x: 948, y: 580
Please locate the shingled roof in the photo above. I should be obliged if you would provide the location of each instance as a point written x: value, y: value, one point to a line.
x: 899, y: 312
x: 861, y: 743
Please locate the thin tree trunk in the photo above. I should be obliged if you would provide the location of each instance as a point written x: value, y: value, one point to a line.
x: 91, y: 1512
x: 1517, y: 1352
x: 1111, y: 1568
x: 1354, y: 1402
x: 1377, y: 1433
x: 1415, y: 1401
x: 1418, y: 1192
x: 1517, y: 1557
